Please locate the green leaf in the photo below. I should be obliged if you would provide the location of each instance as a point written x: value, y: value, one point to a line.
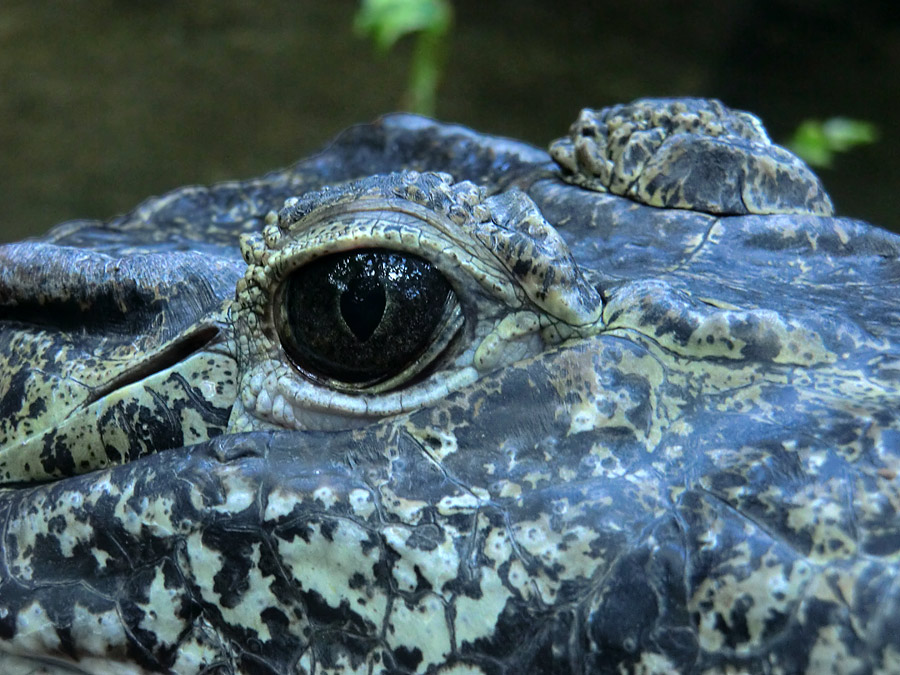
x: 817, y: 142
x: 386, y: 21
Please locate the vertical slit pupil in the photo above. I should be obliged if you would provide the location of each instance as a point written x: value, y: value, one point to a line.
x: 362, y: 306
x: 362, y: 316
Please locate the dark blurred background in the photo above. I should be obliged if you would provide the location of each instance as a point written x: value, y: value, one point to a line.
x: 104, y: 103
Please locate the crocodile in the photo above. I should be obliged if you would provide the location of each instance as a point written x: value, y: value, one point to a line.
x: 435, y: 401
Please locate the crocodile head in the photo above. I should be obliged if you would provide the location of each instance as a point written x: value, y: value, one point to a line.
x: 490, y: 420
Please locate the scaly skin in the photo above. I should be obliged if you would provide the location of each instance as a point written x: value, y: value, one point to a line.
x: 645, y: 440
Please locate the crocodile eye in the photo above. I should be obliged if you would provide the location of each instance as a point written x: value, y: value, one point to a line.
x: 366, y: 316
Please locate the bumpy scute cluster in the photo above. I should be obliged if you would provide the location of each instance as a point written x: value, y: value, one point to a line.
x: 688, y: 154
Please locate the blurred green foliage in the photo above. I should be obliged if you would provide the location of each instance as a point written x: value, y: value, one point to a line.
x: 386, y: 21
x: 817, y: 142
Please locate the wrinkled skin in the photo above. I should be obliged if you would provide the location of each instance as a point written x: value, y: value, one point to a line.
x: 686, y: 462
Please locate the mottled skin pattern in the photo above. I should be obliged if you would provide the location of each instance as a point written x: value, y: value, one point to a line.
x: 687, y: 154
x: 662, y: 440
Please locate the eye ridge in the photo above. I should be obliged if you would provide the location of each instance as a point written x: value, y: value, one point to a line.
x: 361, y: 317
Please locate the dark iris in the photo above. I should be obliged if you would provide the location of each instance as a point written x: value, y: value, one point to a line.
x: 362, y: 316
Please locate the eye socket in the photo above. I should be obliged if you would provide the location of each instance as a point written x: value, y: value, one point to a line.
x: 366, y: 317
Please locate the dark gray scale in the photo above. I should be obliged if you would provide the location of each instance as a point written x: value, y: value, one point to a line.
x: 706, y: 483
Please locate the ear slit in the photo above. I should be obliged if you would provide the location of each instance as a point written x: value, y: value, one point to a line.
x: 172, y: 354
